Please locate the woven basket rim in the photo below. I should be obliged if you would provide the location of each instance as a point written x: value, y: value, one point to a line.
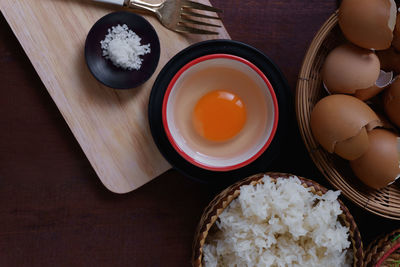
x: 384, y: 202
x: 223, y: 199
x: 382, y: 247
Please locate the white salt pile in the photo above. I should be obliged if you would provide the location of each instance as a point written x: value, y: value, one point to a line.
x: 122, y: 46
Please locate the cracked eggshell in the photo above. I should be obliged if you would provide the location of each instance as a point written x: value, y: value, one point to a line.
x: 396, y: 34
x: 390, y: 59
x: 349, y: 69
x: 340, y: 122
x: 368, y: 24
x: 384, y: 80
x: 391, y: 102
x: 379, y: 166
x: 353, y: 147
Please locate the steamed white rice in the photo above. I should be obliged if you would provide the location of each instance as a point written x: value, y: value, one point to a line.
x: 279, y: 224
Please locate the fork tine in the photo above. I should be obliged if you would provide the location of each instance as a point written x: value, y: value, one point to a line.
x: 195, y: 5
x: 187, y: 20
x: 194, y: 14
x: 188, y: 29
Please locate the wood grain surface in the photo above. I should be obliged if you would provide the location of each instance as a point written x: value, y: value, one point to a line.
x: 54, y: 211
x: 110, y: 125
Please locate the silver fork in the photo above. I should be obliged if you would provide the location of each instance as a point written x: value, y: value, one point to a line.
x: 175, y: 14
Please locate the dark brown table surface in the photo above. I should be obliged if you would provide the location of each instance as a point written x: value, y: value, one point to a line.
x: 54, y: 211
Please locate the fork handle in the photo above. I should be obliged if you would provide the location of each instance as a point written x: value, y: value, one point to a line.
x: 136, y: 4
x: 139, y: 4
x: 115, y: 2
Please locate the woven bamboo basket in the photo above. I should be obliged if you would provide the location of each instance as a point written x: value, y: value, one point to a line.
x: 384, y: 202
x: 222, y: 200
x: 384, y: 251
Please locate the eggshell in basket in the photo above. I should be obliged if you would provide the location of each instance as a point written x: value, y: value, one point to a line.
x: 390, y: 59
x: 396, y: 34
x: 353, y: 147
x: 368, y: 24
x: 379, y: 166
x: 352, y: 70
x: 341, y: 118
x: 391, y: 102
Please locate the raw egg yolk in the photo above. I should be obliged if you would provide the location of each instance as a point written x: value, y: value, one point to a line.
x: 219, y: 115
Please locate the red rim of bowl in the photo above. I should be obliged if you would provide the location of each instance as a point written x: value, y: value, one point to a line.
x: 168, y: 132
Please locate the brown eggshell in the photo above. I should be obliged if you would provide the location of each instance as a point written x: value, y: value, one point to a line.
x: 379, y: 166
x: 396, y: 34
x: 368, y: 24
x: 384, y: 80
x: 386, y: 124
x: 365, y: 94
x: 338, y: 118
x: 349, y: 68
x: 354, y: 147
x: 390, y: 59
x: 391, y: 102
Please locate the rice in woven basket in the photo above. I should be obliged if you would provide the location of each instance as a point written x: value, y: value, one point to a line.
x: 384, y: 251
x: 384, y: 202
x: 219, y: 204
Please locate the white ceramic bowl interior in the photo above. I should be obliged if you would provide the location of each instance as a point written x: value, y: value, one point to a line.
x: 203, y: 75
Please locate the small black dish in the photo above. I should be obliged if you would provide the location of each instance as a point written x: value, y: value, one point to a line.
x: 283, y: 94
x: 103, y: 69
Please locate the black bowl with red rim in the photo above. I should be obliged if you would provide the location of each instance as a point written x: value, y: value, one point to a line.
x: 187, y: 77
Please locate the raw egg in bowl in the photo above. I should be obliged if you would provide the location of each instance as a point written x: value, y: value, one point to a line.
x: 220, y: 112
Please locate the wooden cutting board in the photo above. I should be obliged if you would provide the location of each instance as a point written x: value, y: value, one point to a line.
x: 110, y: 125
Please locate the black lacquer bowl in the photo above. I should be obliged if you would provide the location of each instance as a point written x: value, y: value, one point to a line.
x: 103, y: 69
x: 272, y: 72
